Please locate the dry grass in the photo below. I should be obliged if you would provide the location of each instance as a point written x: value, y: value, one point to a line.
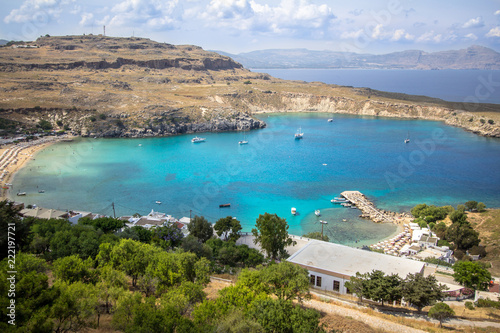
x: 488, y: 226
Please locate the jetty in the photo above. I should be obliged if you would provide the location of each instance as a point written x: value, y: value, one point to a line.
x: 369, y: 210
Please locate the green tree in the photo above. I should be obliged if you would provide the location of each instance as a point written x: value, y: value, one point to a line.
x: 316, y: 235
x: 129, y: 256
x: 462, y: 235
x: 481, y: 207
x: 471, y: 205
x: 72, y: 269
x: 283, y: 316
x: 272, y: 235
x: 200, y: 228
x: 236, y: 322
x: 111, y: 285
x: 383, y: 288
x: 441, y: 312
x: 19, y: 228
x: 420, y: 291
x: 191, y: 244
x: 106, y: 224
x: 228, y: 228
x: 471, y: 275
x: 76, y: 307
x: 458, y: 217
x: 45, y: 125
x: 358, y: 285
x: 168, y: 236
x: 287, y: 281
x: 33, y: 295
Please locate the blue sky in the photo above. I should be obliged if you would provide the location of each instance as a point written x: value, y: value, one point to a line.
x: 361, y: 26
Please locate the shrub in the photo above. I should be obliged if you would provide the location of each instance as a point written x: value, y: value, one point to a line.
x: 102, y: 116
x: 482, y: 121
x: 247, y: 82
x: 491, y: 122
x: 469, y: 305
x: 487, y: 303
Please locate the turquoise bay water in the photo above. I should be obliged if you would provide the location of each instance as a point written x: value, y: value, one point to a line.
x: 441, y: 165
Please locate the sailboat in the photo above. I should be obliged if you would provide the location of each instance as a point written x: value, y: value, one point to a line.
x: 299, y: 134
x: 244, y: 141
x: 407, y: 140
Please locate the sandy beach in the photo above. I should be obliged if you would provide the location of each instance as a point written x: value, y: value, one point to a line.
x: 13, y: 157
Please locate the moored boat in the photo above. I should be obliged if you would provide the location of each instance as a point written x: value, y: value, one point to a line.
x: 294, y: 211
x: 224, y: 205
x: 197, y: 139
x: 317, y: 212
x: 299, y: 134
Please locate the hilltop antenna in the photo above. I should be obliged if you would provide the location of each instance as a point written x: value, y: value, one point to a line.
x: 104, y: 30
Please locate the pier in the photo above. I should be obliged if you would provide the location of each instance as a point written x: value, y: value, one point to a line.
x: 369, y: 210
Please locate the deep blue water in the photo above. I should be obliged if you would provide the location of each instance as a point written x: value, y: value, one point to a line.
x: 476, y: 86
x: 441, y: 165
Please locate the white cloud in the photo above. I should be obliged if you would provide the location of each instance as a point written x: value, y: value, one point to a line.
x: 471, y: 36
x: 291, y: 17
x: 497, y: 12
x: 426, y: 37
x: 495, y: 32
x: 154, y: 14
x: 38, y: 11
x: 474, y: 23
x: 87, y: 19
x: 352, y: 34
x: 401, y: 34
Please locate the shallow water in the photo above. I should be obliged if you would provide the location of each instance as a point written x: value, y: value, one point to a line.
x: 441, y: 165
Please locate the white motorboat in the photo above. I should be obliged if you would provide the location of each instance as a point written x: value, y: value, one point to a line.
x: 330, y: 120
x: 197, y: 139
x: 294, y: 211
x: 158, y: 202
x: 243, y: 142
x: 317, y: 212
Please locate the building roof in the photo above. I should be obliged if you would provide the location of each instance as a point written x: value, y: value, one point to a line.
x: 44, y: 213
x: 145, y: 221
x: 345, y: 260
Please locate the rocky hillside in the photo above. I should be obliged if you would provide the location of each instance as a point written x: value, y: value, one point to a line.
x: 133, y: 87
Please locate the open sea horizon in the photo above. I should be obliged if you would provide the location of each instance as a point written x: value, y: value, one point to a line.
x: 441, y: 165
x: 454, y: 85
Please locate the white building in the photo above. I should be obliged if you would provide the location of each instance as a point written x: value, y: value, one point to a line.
x: 331, y: 265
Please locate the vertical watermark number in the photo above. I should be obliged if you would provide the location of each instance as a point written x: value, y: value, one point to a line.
x: 11, y: 273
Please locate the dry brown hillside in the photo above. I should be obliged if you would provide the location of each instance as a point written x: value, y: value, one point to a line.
x: 128, y: 87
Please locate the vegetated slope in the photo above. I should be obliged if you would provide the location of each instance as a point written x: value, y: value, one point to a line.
x: 474, y: 57
x: 488, y: 226
x: 132, y: 87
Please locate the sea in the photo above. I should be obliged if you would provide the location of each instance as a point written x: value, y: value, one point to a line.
x: 471, y: 86
x: 441, y: 165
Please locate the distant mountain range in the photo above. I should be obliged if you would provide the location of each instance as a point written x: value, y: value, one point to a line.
x: 3, y: 41
x: 474, y: 57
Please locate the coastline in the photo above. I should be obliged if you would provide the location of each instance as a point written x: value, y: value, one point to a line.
x: 25, y: 152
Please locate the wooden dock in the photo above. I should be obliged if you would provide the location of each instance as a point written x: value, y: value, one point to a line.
x: 369, y: 210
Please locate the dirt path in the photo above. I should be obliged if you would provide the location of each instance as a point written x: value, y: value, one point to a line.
x: 375, y: 322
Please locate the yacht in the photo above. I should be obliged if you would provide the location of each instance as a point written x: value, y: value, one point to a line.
x: 243, y: 142
x: 407, y: 140
x: 317, y: 212
x: 330, y: 120
x: 299, y: 134
x: 197, y: 139
x: 294, y: 211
